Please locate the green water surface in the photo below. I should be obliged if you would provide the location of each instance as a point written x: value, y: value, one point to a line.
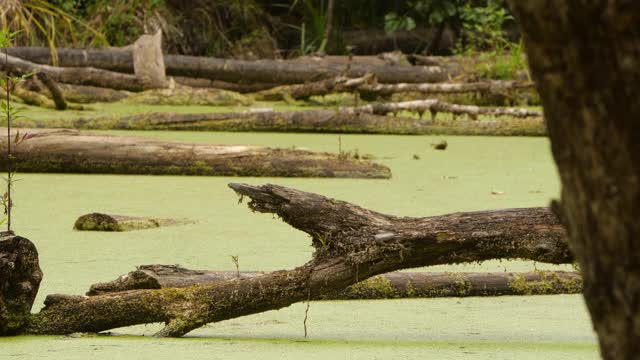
x: 519, y: 171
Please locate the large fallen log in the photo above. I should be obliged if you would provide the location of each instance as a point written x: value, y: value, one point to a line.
x: 385, y: 286
x: 261, y: 71
x: 316, y: 121
x: 351, y: 244
x: 70, y: 151
x: 367, y: 86
x: 74, y: 75
x: 362, y: 119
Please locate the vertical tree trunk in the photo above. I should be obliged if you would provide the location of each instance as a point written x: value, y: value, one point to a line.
x: 585, y: 58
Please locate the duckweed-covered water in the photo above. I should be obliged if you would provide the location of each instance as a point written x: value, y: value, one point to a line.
x: 474, y: 173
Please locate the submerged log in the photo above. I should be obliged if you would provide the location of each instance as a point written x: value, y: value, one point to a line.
x: 74, y: 75
x: 20, y: 277
x: 70, y: 151
x: 385, y: 286
x: 351, y: 244
x: 111, y: 222
x: 261, y: 71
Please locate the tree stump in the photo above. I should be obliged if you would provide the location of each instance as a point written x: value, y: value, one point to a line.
x: 148, y: 61
x: 20, y: 277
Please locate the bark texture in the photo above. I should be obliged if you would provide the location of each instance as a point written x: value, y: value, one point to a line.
x: 70, y: 151
x: 351, y: 244
x: 584, y: 57
x: 148, y: 61
x: 20, y: 277
x: 386, y: 286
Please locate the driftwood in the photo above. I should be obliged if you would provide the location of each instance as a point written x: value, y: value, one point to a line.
x: 74, y: 75
x: 368, y: 86
x: 111, y: 222
x: 260, y: 71
x: 70, y: 151
x: 385, y: 286
x: 351, y: 244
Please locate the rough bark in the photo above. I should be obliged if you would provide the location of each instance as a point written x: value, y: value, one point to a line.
x: 368, y: 86
x: 386, y: 286
x: 20, y: 277
x: 584, y: 57
x: 351, y: 244
x: 74, y: 75
x: 70, y: 151
x: 112, y: 222
x: 260, y: 71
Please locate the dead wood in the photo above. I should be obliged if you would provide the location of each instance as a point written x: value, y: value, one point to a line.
x: 351, y: 244
x: 385, y: 286
x: 74, y: 75
x: 260, y: 71
x: 112, y: 222
x: 71, y: 151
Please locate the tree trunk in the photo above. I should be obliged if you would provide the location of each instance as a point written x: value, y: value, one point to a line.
x: 260, y: 71
x: 20, y: 277
x: 54, y: 91
x: 584, y: 57
x: 112, y: 222
x: 351, y: 244
x: 74, y: 75
x: 385, y: 286
x: 70, y: 151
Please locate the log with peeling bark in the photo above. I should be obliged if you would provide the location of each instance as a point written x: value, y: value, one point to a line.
x: 365, y: 85
x: 74, y: 75
x: 351, y: 244
x: 385, y: 286
x: 113, y: 222
x: 71, y: 151
x: 363, y: 119
x: 260, y: 71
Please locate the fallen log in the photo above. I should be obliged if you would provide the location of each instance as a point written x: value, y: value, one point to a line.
x: 74, y: 75
x: 70, y: 151
x: 362, y: 119
x: 386, y: 286
x: 177, y: 94
x: 83, y: 94
x: 261, y: 71
x: 112, y: 222
x: 367, y: 86
x: 239, y: 87
x: 351, y: 244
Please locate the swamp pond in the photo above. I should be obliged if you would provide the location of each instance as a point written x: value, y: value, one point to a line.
x: 474, y: 173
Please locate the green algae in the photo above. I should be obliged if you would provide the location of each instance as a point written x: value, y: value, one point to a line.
x: 461, y: 178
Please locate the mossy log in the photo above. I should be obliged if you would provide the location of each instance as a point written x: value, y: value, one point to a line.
x: 351, y: 244
x: 20, y: 277
x: 239, y: 87
x: 370, y: 119
x: 385, y: 286
x: 112, y: 222
x: 260, y: 71
x: 74, y: 75
x: 368, y: 86
x: 83, y: 94
x: 71, y: 151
